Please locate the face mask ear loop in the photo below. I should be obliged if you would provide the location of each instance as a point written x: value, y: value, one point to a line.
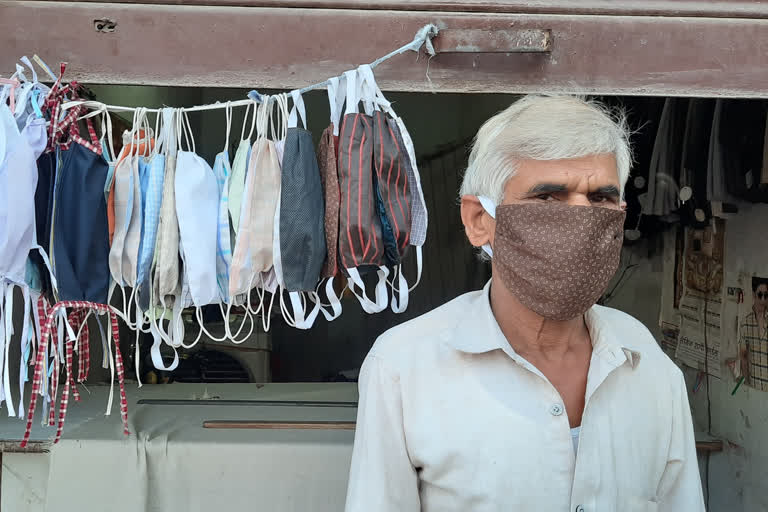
x: 284, y: 105
x: 233, y: 337
x: 272, y: 101
x: 245, y: 120
x: 266, y: 318
x: 148, y: 136
x: 199, y: 316
x: 284, y: 309
x: 159, y: 136
x: 111, y: 369
x: 179, y: 147
x: 106, y: 132
x: 228, y: 114
x: 259, y: 291
x: 189, y: 128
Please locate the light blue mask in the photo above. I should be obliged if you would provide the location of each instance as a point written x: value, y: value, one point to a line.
x: 152, y: 196
x: 222, y: 170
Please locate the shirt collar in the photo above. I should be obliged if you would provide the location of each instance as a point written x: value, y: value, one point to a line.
x: 480, y: 333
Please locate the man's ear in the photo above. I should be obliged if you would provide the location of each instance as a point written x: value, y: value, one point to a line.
x: 478, y: 225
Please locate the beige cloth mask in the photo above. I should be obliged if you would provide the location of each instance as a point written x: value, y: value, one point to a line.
x: 556, y: 259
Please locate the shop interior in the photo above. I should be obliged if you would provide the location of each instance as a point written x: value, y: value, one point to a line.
x: 693, y: 252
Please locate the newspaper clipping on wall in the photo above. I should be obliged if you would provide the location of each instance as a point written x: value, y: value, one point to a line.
x: 701, y: 305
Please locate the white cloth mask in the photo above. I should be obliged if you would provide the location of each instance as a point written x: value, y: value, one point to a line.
x: 197, y: 210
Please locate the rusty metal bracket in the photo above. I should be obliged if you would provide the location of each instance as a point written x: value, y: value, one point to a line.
x: 493, y: 41
x: 104, y: 25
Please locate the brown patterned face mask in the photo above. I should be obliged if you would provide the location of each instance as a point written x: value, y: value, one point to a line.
x: 557, y: 259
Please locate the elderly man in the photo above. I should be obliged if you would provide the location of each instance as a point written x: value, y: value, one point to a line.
x: 525, y: 395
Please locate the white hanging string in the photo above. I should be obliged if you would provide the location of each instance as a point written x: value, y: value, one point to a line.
x: 422, y: 38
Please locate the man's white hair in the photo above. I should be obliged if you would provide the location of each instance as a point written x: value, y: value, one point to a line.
x: 544, y: 128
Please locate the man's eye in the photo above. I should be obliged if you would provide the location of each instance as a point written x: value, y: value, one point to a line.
x: 544, y: 197
x: 601, y: 199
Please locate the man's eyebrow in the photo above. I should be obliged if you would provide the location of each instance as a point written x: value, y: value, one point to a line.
x: 611, y: 191
x: 547, y: 188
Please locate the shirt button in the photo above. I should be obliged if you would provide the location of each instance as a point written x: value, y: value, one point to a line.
x: 580, y: 508
x: 557, y: 410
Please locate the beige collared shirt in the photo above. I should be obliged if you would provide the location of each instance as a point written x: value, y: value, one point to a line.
x: 452, y: 419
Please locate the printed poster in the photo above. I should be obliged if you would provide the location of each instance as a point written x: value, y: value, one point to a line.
x: 753, y: 334
x: 701, y: 306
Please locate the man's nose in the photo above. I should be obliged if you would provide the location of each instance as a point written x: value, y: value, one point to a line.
x: 577, y: 199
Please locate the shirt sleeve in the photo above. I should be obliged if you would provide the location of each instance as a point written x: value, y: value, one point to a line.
x: 680, y: 487
x: 382, y: 477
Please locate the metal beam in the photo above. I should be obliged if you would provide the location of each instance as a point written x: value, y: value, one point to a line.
x: 289, y: 48
x: 694, y: 8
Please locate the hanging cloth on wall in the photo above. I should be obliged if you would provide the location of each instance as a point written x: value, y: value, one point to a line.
x: 165, y: 280
x: 18, y: 179
x: 394, y: 178
x: 327, y: 153
x: 222, y: 171
x: 239, y: 168
x: 197, y: 209
x: 152, y: 196
x: 80, y: 243
x: 302, y: 212
x: 129, y: 221
x: 253, y: 254
x: 361, y: 244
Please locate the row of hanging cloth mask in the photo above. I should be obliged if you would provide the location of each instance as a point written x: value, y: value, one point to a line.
x: 275, y: 224
x: 50, y: 234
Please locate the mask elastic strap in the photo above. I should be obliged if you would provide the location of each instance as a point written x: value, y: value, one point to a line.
x: 372, y: 88
x: 352, y: 92
x: 158, y: 337
x: 299, y: 302
x: 400, y: 294
x: 283, y: 107
x: 419, y: 269
x: 366, y: 93
x: 333, y: 299
x: 28, y: 63
x: 228, y: 115
x: 336, y: 97
x: 489, y: 205
x: 266, y: 316
x: 298, y: 106
x: 6, y: 330
x: 199, y: 316
x: 245, y: 121
x: 154, y: 352
x: 233, y: 337
x: 380, y: 294
x: 111, y: 368
x: 27, y: 334
x: 177, y: 324
x: 106, y: 131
